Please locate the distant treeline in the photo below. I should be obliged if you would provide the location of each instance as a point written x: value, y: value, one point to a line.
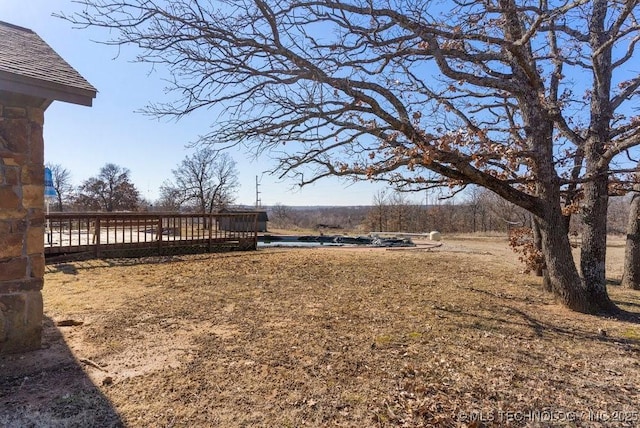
x: 481, y: 212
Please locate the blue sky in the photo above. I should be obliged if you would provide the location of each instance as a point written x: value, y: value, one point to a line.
x: 83, y: 139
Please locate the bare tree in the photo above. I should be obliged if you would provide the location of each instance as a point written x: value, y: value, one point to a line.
x: 110, y: 190
x: 399, y: 214
x: 207, y: 180
x: 281, y: 216
x: 507, y: 214
x: 170, y: 198
x: 61, y: 183
x: 631, y: 273
x: 478, y: 209
x: 378, y: 216
x: 479, y: 92
x: 393, y: 211
x: 618, y: 214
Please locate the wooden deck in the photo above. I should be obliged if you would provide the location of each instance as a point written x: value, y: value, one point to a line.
x: 147, y: 234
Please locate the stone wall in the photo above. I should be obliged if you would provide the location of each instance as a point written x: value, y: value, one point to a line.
x: 21, y: 222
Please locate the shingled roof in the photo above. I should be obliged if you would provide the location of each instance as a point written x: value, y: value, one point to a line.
x: 29, y: 66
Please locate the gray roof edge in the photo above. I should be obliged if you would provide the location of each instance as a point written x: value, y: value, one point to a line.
x: 44, y: 89
x: 16, y: 27
x: 26, y: 59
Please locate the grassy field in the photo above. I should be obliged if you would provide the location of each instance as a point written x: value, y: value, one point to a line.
x: 455, y: 336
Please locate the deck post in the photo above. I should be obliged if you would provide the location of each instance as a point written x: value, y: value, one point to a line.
x: 255, y: 231
x: 159, y: 234
x: 210, y: 232
x: 97, y: 234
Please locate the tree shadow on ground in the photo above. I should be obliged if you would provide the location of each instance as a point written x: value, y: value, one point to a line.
x: 60, y: 263
x: 505, y: 312
x: 67, y: 268
x: 49, y: 387
x: 621, y: 315
x: 632, y: 304
x: 73, y: 266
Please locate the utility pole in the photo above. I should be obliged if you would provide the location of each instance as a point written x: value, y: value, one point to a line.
x: 258, y: 201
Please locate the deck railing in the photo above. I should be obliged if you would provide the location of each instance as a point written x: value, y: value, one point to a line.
x: 133, y: 234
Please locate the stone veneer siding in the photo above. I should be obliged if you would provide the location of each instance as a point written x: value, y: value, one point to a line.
x: 21, y: 222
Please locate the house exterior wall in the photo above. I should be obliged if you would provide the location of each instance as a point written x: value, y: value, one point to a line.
x: 21, y: 222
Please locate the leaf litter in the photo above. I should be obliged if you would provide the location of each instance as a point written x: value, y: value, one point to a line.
x: 339, y: 337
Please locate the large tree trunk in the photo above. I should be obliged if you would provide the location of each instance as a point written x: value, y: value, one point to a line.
x: 631, y: 275
x: 563, y: 278
x: 537, y: 242
x: 541, y: 270
x: 596, y: 192
x: 561, y: 271
x: 594, y: 242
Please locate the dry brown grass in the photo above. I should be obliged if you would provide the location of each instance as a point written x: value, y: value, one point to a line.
x: 338, y: 337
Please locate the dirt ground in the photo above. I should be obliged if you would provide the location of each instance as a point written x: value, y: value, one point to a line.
x: 452, y: 336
